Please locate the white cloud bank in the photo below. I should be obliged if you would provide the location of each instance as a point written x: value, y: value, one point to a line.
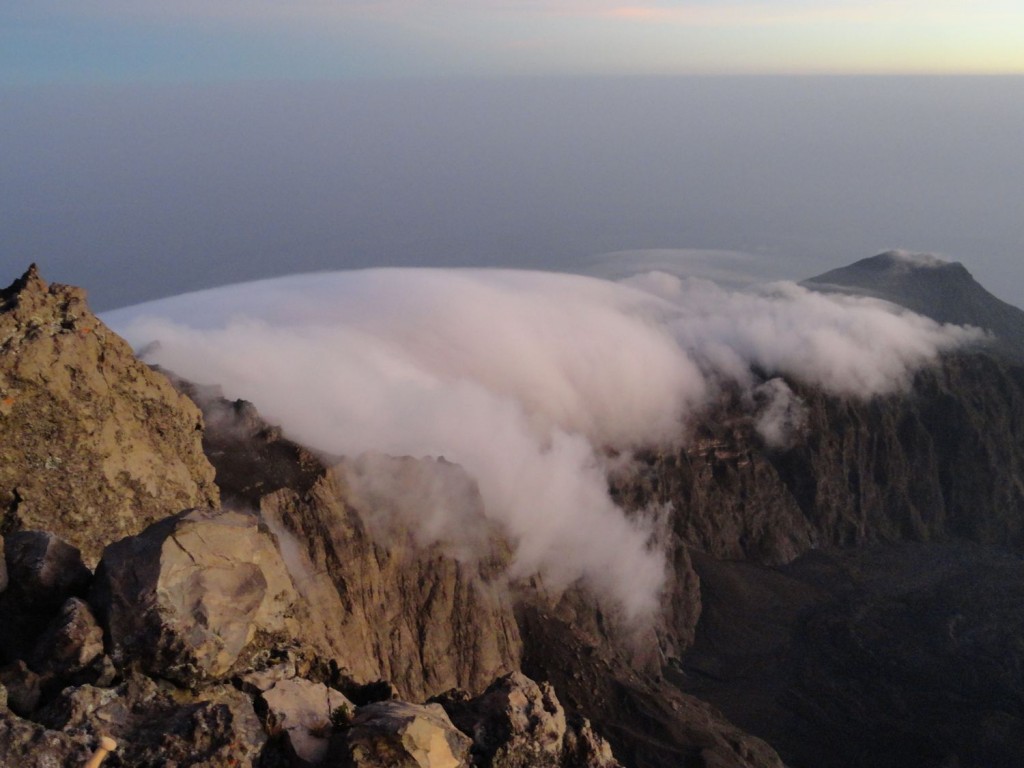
x: 524, y: 378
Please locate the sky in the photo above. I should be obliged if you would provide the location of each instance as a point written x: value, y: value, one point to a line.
x: 89, y: 41
x: 151, y: 148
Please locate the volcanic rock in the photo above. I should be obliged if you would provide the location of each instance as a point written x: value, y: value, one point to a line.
x: 216, y: 728
x: 44, y: 571
x: 29, y: 745
x: 94, y: 445
x: 894, y: 656
x: 71, y: 643
x: 943, y: 461
x: 412, y: 615
x: 195, y: 595
x: 22, y: 686
x: 517, y: 723
x: 396, y: 734
x: 306, y: 712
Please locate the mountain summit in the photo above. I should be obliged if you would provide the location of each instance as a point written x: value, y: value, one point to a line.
x: 944, y: 291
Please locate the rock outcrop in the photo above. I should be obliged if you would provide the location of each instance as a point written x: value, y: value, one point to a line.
x: 396, y: 734
x: 944, y: 461
x: 94, y: 445
x: 517, y: 723
x: 155, y: 726
x: 414, y: 616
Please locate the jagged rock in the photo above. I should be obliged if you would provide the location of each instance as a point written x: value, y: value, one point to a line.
x: 646, y: 718
x: 375, y: 604
x: 306, y: 712
x: 514, y: 722
x: 412, y: 615
x: 585, y: 747
x: 44, y: 571
x: 941, y: 462
x: 24, y: 744
x: 23, y: 687
x: 153, y: 727
x: 517, y: 723
x: 251, y: 457
x: 71, y: 643
x: 261, y: 680
x: 93, y: 444
x: 44, y: 568
x: 396, y: 734
x: 195, y: 596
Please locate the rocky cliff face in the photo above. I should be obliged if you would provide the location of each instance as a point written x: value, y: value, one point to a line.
x: 93, y: 444
x: 901, y: 521
x: 943, y: 461
x: 416, y: 617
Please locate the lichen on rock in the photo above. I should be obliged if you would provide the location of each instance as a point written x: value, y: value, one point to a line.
x: 94, y: 445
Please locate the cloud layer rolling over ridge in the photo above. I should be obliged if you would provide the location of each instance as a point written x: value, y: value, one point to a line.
x: 525, y: 378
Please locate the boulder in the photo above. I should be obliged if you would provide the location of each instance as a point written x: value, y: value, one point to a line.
x: 306, y: 713
x: 22, y: 686
x: 518, y: 723
x: 43, y: 568
x: 195, y: 597
x: 155, y: 726
x: 585, y: 747
x: 396, y: 734
x: 29, y: 745
x: 71, y: 643
x: 43, y: 572
x: 94, y: 445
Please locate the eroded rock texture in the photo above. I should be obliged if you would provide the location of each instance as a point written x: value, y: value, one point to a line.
x: 945, y: 460
x: 194, y: 595
x: 94, y: 445
x: 414, y: 616
x: 396, y: 734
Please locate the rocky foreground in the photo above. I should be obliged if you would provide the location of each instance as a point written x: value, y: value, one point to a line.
x: 853, y: 599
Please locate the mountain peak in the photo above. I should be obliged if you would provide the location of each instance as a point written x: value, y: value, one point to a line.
x: 942, y: 290
x: 906, y: 261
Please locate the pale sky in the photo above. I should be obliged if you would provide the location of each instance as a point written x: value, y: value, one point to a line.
x: 58, y: 41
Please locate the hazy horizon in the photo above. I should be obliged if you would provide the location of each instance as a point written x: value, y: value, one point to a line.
x: 141, y: 191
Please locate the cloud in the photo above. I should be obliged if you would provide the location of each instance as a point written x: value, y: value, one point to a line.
x: 733, y: 269
x: 524, y: 379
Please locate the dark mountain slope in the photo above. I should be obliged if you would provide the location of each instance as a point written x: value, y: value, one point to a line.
x: 943, y: 291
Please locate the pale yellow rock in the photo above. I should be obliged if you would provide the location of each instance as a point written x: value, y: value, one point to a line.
x: 190, y: 594
x: 94, y: 445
